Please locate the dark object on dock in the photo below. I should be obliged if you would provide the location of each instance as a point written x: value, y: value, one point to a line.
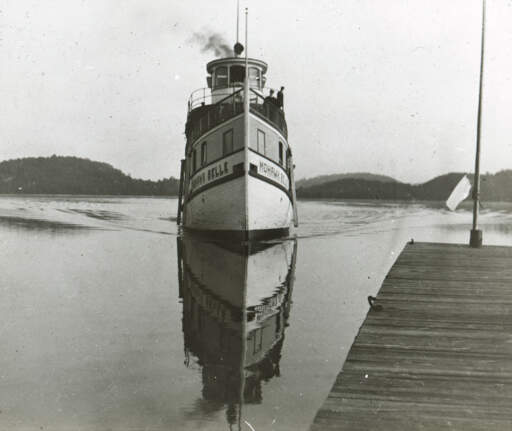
x: 475, y: 238
x: 439, y: 354
x: 371, y: 300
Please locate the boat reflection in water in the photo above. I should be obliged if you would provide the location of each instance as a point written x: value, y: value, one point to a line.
x: 236, y: 304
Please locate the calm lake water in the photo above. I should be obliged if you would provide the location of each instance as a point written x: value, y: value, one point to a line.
x: 110, y: 321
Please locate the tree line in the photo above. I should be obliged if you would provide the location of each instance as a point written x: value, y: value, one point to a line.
x: 73, y: 175
x: 493, y: 187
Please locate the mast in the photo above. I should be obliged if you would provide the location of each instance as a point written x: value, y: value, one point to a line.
x: 246, y: 197
x: 246, y: 126
x: 237, y: 19
x: 244, y: 336
x: 476, y: 234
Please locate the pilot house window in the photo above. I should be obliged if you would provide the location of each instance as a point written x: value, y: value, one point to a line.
x: 280, y: 153
x: 236, y: 74
x: 254, y: 77
x: 221, y: 77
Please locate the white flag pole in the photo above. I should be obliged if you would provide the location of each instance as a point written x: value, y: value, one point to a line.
x: 475, y: 239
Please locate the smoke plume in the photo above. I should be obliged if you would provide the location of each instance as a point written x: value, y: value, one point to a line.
x: 212, y: 42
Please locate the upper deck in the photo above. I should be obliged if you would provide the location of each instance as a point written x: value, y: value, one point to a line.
x: 224, y: 97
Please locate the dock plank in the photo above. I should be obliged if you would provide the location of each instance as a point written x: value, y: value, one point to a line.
x: 438, y: 356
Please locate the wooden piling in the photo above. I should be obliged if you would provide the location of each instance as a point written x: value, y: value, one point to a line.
x: 181, y: 191
x: 292, y: 191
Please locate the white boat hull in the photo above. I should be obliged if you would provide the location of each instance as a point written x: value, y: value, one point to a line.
x: 244, y: 194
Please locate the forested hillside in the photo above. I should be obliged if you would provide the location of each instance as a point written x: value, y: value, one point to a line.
x: 322, y: 179
x: 73, y: 175
x: 494, y: 187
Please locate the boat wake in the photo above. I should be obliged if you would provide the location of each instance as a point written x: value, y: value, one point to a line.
x: 58, y: 214
x: 66, y: 214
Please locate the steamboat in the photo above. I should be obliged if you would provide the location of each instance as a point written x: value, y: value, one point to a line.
x: 237, y: 176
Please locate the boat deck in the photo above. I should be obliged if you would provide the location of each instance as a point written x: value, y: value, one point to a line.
x: 438, y: 355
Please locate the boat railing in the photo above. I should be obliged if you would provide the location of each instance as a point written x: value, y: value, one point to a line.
x: 199, y: 97
x: 267, y: 107
x: 202, y: 116
x: 204, y: 96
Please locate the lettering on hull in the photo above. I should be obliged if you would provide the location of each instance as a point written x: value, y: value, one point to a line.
x: 210, y: 174
x: 218, y: 171
x: 273, y: 173
x: 197, y: 181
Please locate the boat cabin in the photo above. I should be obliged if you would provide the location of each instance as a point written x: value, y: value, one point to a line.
x: 227, y: 76
x: 223, y: 98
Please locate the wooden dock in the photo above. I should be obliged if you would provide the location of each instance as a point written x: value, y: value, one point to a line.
x: 438, y: 355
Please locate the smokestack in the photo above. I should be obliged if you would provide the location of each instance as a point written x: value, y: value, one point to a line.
x: 212, y: 42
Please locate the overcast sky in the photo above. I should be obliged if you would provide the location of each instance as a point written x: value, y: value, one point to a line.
x: 388, y: 87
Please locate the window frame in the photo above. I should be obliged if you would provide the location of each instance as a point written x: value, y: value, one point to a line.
x: 236, y: 83
x: 257, y: 341
x: 257, y: 77
x: 288, y: 156
x: 226, y: 77
x: 231, y: 143
x: 258, y: 134
x: 204, y: 153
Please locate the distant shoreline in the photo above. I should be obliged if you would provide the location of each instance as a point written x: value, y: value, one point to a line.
x: 63, y: 195
x: 73, y: 176
x: 467, y: 204
x: 65, y: 175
